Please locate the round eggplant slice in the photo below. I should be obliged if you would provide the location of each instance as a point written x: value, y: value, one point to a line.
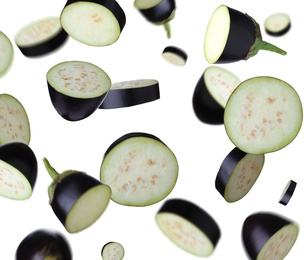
x: 277, y: 24
x: 175, y: 55
x: 77, y: 199
x: 131, y: 93
x: 263, y: 114
x: 44, y: 244
x: 267, y: 235
x: 188, y: 226
x: 112, y: 251
x: 77, y: 88
x: 211, y: 94
x: 15, y: 125
x: 238, y: 173
x: 140, y: 169
x: 41, y: 37
x: 288, y: 192
x: 18, y: 171
x: 6, y: 54
x: 93, y: 22
x: 233, y: 36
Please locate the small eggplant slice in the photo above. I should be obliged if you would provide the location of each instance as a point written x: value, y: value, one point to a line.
x: 131, y: 93
x: 77, y: 199
x: 188, y: 226
x: 112, y: 251
x: 233, y: 36
x: 211, y: 94
x: 288, y: 192
x: 44, y: 244
x: 93, y: 22
x: 238, y: 173
x: 277, y: 24
x: 267, y: 235
x: 175, y: 55
x: 263, y: 114
x: 6, y: 54
x: 140, y: 169
x: 15, y: 125
x: 77, y: 88
x: 18, y: 171
x: 41, y: 37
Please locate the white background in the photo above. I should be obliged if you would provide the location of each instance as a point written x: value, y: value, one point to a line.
x: 200, y: 148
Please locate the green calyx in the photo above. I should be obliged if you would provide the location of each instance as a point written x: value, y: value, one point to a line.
x: 166, y: 24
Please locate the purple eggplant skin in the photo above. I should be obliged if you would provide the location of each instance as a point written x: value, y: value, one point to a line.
x: 288, y: 194
x: 44, y: 244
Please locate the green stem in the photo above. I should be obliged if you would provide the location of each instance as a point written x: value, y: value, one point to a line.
x: 168, y: 29
x: 52, y: 172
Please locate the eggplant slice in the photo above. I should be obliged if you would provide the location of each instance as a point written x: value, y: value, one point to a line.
x: 6, y: 54
x: 175, y: 55
x: 288, y: 192
x: 112, y: 251
x: 277, y: 24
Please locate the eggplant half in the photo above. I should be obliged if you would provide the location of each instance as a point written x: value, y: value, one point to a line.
x: 41, y: 37
x: 93, y: 22
x: 211, y: 94
x: 15, y: 125
x: 175, y: 55
x: 112, y: 251
x: 77, y: 88
x: 267, y: 235
x: 44, y: 244
x: 263, y: 114
x: 131, y: 93
x: 140, y: 169
x: 288, y: 192
x: 6, y: 54
x: 18, y: 171
x: 188, y: 226
x: 233, y: 36
x: 77, y: 199
x: 238, y: 173
x: 277, y: 24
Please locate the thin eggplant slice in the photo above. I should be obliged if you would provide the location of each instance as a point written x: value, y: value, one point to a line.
x: 175, y: 55
x: 112, y: 251
x: 288, y: 192
x: 131, y: 93
x: 6, y: 54
x: 263, y: 114
x: 140, y: 169
x: 188, y: 226
x: 277, y: 24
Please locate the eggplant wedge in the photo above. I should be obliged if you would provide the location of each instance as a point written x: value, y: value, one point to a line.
x: 112, y: 251
x: 277, y: 24
x: 175, y: 55
x: 288, y: 192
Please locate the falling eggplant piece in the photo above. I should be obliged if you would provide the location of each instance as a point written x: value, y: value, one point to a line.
x: 41, y: 37
x: 112, y: 251
x: 277, y: 24
x: 188, y: 226
x: 263, y: 114
x: 18, y: 171
x: 159, y: 12
x: 77, y: 88
x: 6, y: 54
x: 233, y: 36
x: 93, y: 22
x: 175, y: 55
x: 211, y: 94
x: 140, y: 169
x: 44, y: 244
x: 76, y: 198
x: 288, y: 192
x: 267, y: 235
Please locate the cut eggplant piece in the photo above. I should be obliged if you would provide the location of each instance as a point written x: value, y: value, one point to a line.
x: 77, y: 88
x: 267, y: 235
x: 277, y: 24
x: 93, y: 22
x: 6, y: 54
x: 211, y: 94
x: 263, y: 114
x: 288, y: 192
x: 14, y: 121
x: 140, y: 169
x: 112, y: 251
x: 41, y: 37
x: 131, y: 93
x: 233, y: 36
x: 18, y: 171
x: 77, y: 199
x: 188, y: 226
x: 238, y: 173
x: 175, y: 55
x: 44, y: 244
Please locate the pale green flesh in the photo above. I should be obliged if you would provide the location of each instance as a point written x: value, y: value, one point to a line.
x: 277, y: 22
x: 6, y: 54
x: 174, y: 58
x: 146, y: 4
x: 130, y: 84
x: 113, y: 251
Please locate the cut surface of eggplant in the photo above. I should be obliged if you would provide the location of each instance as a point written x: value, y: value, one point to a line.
x: 6, y: 54
x: 238, y: 173
x: 188, y: 226
x: 175, y: 55
x: 288, y: 192
x: 93, y: 22
x: 112, y: 251
x: 277, y: 24
x: 263, y: 114
x: 41, y: 36
x: 131, y: 93
x: 140, y: 169
x: 15, y: 125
